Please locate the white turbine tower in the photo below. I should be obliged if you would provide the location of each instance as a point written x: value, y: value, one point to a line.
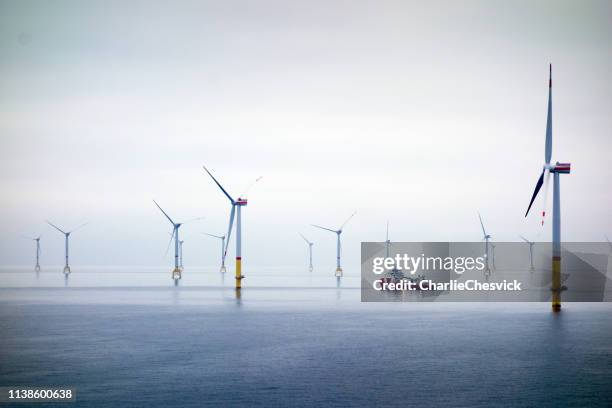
x: 531, y: 244
x: 310, y: 244
x: 387, y: 242
x: 181, y: 254
x: 486, y: 237
x: 338, y: 232
x: 222, y: 238
x: 178, y: 268
x: 556, y: 169
x: 67, y: 238
x: 236, y: 211
x: 37, y: 267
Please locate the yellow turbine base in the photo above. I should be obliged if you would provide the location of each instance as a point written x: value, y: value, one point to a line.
x: 556, y: 284
x: 239, y: 275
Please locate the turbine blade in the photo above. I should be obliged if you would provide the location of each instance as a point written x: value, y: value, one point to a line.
x: 524, y: 239
x: 482, y: 225
x: 535, y: 192
x: 545, y: 197
x: 327, y: 229
x: 211, y: 235
x: 548, y: 148
x: 229, y: 230
x: 347, y: 220
x: 192, y: 220
x: 304, y: 238
x: 246, y: 190
x: 219, y: 184
x: 167, y: 216
x: 79, y: 227
x: 169, y: 242
x: 56, y: 227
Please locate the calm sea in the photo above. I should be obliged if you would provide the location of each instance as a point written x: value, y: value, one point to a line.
x: 292, y: 340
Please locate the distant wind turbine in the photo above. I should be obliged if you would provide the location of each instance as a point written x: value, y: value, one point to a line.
x: 178, y: 268
x: 67, y: 238
x: 556, y: 169
x: 486, y: 238
x: 222, y: 238
x: 531, y: 244
x: 37, y: 240
x: 310, y: 244
x: 236, y: 211
x: 338, y: 232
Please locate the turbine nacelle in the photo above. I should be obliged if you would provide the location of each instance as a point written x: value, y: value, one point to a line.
x: 563, y: 168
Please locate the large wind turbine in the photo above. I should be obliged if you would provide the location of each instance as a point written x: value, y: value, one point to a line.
x: 486, y: 237
x: 310, y: 244
x: 531, y: 244
x: 178, y: 268
x: 556, y: 169
x: 222, y: 238
x: 236, y: 211
x: 338, y: 232
x: 67, y: 237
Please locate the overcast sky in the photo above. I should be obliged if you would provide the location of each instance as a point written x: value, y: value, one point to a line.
x: 419, y: 113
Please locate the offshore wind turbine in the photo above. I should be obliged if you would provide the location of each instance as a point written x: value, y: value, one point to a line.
x: 37, y: 240
x: 178, y: 268
x: 67, y: 241
x: 222, y: 238
x: 310, y: 244
x: 531, y: 244
x: 37, y: 267
x: 395, y: 272
x: 236, y: 211
x: 556, y: 170
x: 338, y: 232
x: 486, y: 238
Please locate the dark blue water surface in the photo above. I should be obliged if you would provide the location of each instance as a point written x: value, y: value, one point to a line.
x: 189, y: 347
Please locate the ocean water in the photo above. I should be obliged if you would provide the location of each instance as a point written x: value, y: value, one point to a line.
x: 294, y: 341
